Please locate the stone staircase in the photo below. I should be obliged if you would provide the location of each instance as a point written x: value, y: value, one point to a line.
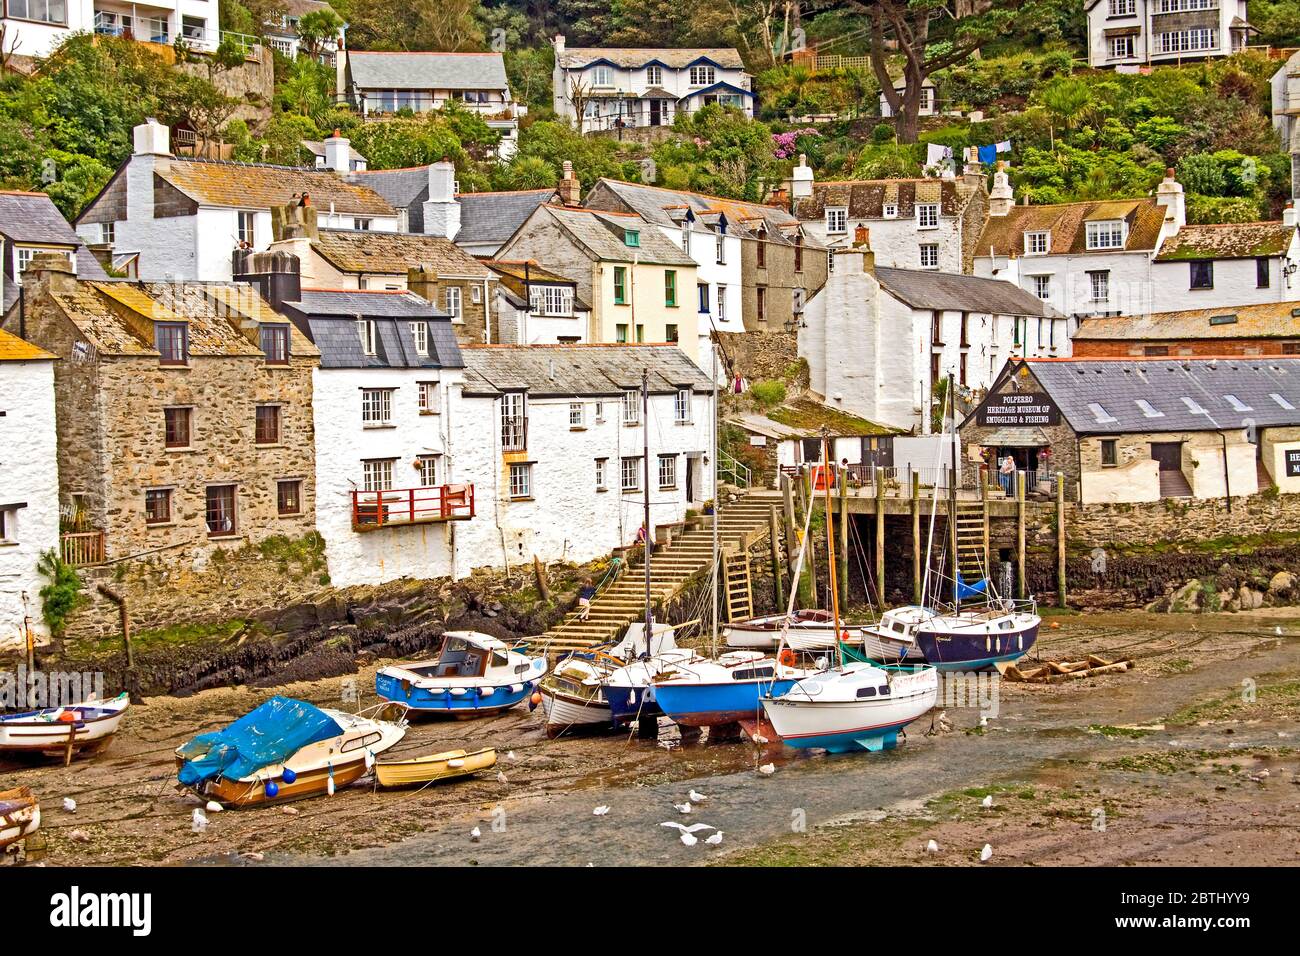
x: 741, y: 523
x: 1173, y: 484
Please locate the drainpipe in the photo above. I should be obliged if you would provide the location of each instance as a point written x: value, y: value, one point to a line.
x: 1227, y: 488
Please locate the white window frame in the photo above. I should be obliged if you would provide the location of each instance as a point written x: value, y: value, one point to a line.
x: 602, y: 467
x: 667, y: 472
x: 429, y: 398
x: 1105, y: 234
x: 1123, y: 8
x: 577, y: 415
x: 602, y: 77
x: 631, y: 407
x: 1042, y: 286
x: 1120, y: 48
x: 377, y: 474
x: 514, y: 421
x: 1038, y: 243
x: 702, y: 75
x: 521, y: 480
x: 368, y: 331
x: 428, y: 465
x: 654, y: 75
x: 1099, y: 286
x: 376, y: 407
x: 927, y: 215
x: 246, y: 226
x: 629, y: 471
x: 453, y: 300
x: 929, y: 255
x: 420, y: 332
x: 682, y: 406
x: 722, y: 303
x: 889, y: 210
x: 837, y: 220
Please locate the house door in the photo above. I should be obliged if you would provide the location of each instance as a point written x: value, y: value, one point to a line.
x: 812, y: 449
x: 690, y: 479
x: 1169, y: 454
x: 656, y: 112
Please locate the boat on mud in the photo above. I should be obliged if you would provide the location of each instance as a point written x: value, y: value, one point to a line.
x: 474, y: 675
x: 62, y: 731
x: 764, y: 632
x: 417, y: 771
x: 20, y: 815
x: 286, y: 750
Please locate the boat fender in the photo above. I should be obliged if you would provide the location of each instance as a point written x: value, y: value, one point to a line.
x: 370, y: 760
x: 1020, y: 642
x: 988, y: 643
x: 272, y: 788
x: 786, y: 657
x: 329, y: 784
x: 288, y: 776
x: 534, y: 700
x: 516, y: 688
x: 458, y: 692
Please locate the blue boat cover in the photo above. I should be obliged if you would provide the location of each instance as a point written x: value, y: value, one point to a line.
x: 268, y: 735
x: 965, y: 590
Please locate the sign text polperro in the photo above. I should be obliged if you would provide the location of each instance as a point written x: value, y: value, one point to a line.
x: 1018, y: 409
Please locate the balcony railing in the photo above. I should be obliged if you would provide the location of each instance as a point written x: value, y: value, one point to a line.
x: 82, y: 548
x: 372, y: 510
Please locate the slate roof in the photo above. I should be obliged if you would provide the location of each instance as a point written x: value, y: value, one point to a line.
x: 1066, y: 223
x: 635, y: 58
x: 116, y: 317
x: 317, y: 148
x: 14, y: 349
x: 601, y: 234
x: 1100, y: 397
x: 514, y: 278
x: 330, y: 318
x: 574, y: 370
x: 494, y: 217
x: 1267, y: 320
x: 392, y: 253
x: 926, y: 289
x: 404, y: 188
x: 1233, y: 240
x: 32, y: 217
x: 866, y: 199
x: 667, y: 207
x: 261, y: 186
x: 428, y: 71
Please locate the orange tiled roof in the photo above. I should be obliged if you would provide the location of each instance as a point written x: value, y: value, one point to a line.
x: 14, y: 349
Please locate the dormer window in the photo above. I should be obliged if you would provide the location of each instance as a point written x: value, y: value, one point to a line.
x: 654, y: 75
x: 172, y: 340
x: 369, y: 333
x: 420, y: 333
x: 1105, y: 234
x: 890, y: 210
x: 686, y: 237
x: 701, y: 76
x: 632, y: 237
x: 927, y: 215
x: 837, y: 219
x: 722, y: 246
x: 602, y: 76
x: 1037, y: 243
x: 274, y: 340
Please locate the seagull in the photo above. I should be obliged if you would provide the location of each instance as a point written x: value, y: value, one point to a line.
x: 689, y: 840
x: 987, y: 802
x: 475, y: 834
x: 932, y: 847
x: 693, y: 828
x: 767, y: 769
x: 1278, y: 630
x: 696, y: 796
x: 683, y: 807
x: 600, y: 811
x: 758, y: 739
x: 715, y: 838
x: 501, y: 777
x: 510, y: 755
x: 69, y: 804
x: 199, y: 821
x: 986, y: 854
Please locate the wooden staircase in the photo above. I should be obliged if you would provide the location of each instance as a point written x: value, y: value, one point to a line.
x: 736, y: 586
x: 972, y: 541
x: 1174, y: 484
x: 740, y: 524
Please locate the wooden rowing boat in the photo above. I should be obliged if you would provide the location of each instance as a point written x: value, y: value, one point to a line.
x: 61, y: 731
x: 443, y: 766
x: 20, y: 815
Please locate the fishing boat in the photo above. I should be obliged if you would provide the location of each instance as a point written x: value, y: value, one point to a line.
x: 764, y: 633
x: 858, y: 706
x: 285, y: 750
x: 473, y: 675
x: 20, y: 815
x: 855, y: 705
x: 573, y: 693
x: 712, y: 693
x: 417, y: 771
x: 61, y: 731
x: 629, y: 690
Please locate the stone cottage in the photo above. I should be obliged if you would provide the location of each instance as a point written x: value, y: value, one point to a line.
x: 184, y: 414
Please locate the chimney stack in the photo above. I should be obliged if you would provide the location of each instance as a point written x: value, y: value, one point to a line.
x: 442, y: 209
x: 1288, y: 213
x: 152, y: 138
x: 801, y: 180
x: 1001, y: 197
x: 569, y: 188
x: 862, y: 242
x: 1170, y: 195
x: 338, y: 153
x: 559, y: 44
x: 50, y: 271
x: 423, y: 281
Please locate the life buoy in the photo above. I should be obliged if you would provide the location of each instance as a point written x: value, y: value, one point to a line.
x: 786, y: 657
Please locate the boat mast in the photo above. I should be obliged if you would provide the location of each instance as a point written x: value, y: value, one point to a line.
x: 830, y: 548
x: 952, y: 491
x: 713, y: 647
x: 645, y: 433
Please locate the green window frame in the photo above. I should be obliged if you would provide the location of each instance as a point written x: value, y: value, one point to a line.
x: 620, y: 285
x: 670, y: 287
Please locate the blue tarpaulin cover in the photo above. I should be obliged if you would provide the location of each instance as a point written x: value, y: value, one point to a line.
x: 965, y: 590
x: 268, y: 735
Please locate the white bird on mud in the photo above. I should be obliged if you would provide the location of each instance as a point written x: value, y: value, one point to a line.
x: 758, y: 739
x: 69, y: 804
x: 693, y: 828
x: 932, y: 847
x: 696, y: 796
x: 510, y: 755
x: 213, y: 807
x: 689, y: 840
x: 199, y: 822
x: 683, y: 807
x: 767, y: 769
x: 987, y: 802
x: 501, y: 777
x: 600, y: 811
x: 715, y: 838
x: 986, y: 854
x: 475, y: 835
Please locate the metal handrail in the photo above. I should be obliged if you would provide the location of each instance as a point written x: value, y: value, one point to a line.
x: 728, y: 467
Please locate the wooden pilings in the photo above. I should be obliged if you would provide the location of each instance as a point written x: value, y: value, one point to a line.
x: 917, y: 596
x: 1022, y: 590
x: 1060, y: 540
x: 774, y: 545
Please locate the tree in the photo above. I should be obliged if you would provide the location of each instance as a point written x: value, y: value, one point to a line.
x: 318, y: 31
x: 928, y: 38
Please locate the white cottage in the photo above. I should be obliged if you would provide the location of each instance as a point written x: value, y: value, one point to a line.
x: 29, y: 504
x: 1127, y: 34
x: 34, y: 28
x: 879, y: 341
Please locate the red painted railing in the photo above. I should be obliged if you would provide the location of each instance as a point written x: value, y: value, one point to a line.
x: 379, y: 509
x: 82, y: 548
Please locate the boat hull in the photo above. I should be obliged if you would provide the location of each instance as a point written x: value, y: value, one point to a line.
x: 475, y: 701
x: 94, y: 726
x: 564, y: 712
x: 843, y: 726
x: 628, y: 704
x: 308, y: 783
x: 711, y: 705
x: 20, y: 815
x: 444, y: 766
x: 949, y: 651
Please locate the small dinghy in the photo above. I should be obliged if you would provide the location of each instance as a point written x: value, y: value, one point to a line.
x: 20, y: 815
x: 474, y: 675
x: 61, y: 731
x: 285, y: 750
x: 573, y: 694
x: 764, y: 633
x: 443, y: 766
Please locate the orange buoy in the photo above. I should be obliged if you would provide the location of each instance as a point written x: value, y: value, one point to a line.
x: 537, y: 697
x: 1055, y: 625
x: 67, y: 717
x: 786, y: 657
